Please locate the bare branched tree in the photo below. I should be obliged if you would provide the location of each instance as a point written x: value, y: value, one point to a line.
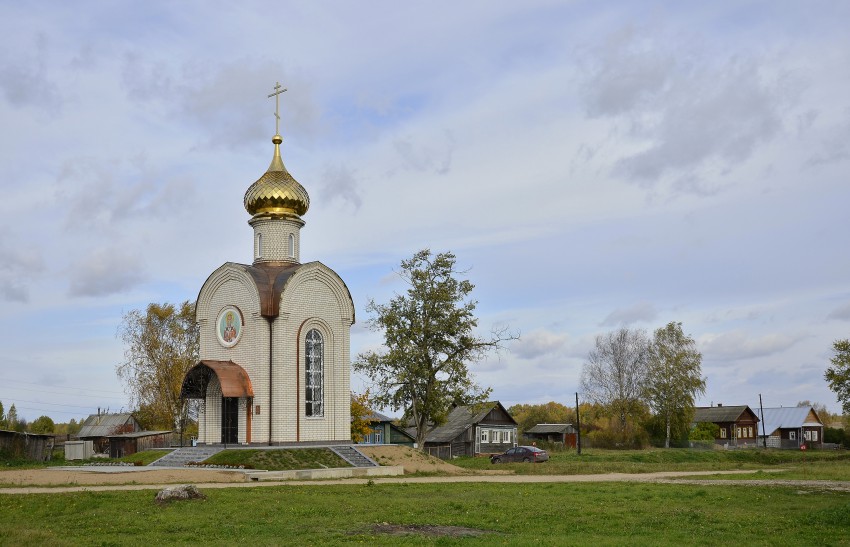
x: 615, y: 372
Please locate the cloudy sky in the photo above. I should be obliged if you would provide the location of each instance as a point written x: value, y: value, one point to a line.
x: 591, y: 164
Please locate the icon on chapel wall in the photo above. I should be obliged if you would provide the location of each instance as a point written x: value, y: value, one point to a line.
x: 229, y: 326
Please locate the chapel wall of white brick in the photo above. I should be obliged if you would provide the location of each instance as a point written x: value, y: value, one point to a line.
x: 314, y: 297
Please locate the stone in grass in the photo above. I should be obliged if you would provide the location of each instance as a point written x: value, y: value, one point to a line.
x: 181, y: 492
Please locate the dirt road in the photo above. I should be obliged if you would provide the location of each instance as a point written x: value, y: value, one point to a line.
x: 209, y: 479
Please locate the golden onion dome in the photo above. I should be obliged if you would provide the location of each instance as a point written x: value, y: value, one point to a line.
x: 276, y: 192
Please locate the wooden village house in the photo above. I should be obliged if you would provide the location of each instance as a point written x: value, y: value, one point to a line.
x: 384, y: 431
x: 485, y: 428
x: 790, y: 427
x: 738, y: 424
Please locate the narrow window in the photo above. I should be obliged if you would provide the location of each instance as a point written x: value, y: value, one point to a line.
x: 291, y: 246
x: 258, y: 252
x: 485, y: 436
x: 815, y: 436
x: 722, y: 432
x: 315, y: 373
x: 792, y: 435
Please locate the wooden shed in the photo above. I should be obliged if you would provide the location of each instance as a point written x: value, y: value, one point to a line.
x: 28, y: 446
x: 98, y: 427
x: 126, y: 444
x: 553, y: 433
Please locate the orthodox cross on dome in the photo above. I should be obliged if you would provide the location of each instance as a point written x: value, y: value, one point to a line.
x: 277, y: 91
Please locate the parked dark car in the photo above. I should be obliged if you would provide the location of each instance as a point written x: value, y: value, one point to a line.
x: 521, y: 454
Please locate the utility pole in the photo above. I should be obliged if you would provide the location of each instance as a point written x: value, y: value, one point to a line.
x: 578, y: 429
x: 761, y: 410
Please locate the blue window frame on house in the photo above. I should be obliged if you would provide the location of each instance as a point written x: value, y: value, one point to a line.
x: 376, y: 436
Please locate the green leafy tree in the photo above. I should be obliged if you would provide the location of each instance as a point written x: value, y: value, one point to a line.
x: 673, y: 379
x: 12, y: 418
x: 614, y: 375
x: 42, y: 424
x: 527, y: 416
x: 820, y: 409
x: 838, y: 375
x: 360, y: 411
x: 429, y: 342
x: 705, y: 431
x: 161, y: 345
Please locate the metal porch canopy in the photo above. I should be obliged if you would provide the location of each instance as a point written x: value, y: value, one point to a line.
x: 232, y: 377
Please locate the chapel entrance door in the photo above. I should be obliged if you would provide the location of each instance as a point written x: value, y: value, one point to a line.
x: 230, y: 420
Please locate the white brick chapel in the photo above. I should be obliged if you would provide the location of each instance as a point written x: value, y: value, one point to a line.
x: 274, y: 335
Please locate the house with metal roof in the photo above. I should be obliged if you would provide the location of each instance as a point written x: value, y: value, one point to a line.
x: 98, y: 427
x: 790, y: 427
x: 738, y: 424
x: 485, y: 428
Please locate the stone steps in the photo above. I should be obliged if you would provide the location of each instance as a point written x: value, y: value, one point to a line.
x: 185, y: 455
x: 353, y: 456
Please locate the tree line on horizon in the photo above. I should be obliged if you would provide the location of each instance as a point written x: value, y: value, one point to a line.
x: 637, y: 389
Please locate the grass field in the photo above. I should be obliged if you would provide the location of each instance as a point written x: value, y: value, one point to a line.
x: 279, y: 460
x: 506, y: 514
x: 834, y: 465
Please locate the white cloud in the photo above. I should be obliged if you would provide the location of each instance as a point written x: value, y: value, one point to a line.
x: 340, y: 182
x: 18, y: 268
x: 539, y: 343
x: 24, y: 79
x: 739, y: 345
x: 640, y: 312
x: 841, y: 312
x: 684, y: 113
x: 106, y: 271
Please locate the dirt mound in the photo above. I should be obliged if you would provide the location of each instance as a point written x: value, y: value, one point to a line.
x: 413, y: 461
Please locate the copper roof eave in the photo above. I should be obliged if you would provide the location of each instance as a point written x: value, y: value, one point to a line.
x: 270, y: 279
x: 233, y: 379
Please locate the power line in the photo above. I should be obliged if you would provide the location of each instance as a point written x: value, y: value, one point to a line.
x: 71, y: 394
x: 44, y: 403
x: 67, y: 387
x: 51, y: 411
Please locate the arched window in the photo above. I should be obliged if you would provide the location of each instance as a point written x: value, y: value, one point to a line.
x: 291, y: 246
x: 314, y: 352
x: 259, y: 250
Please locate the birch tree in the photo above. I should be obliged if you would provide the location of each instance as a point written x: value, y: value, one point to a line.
x: 674, y: 377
